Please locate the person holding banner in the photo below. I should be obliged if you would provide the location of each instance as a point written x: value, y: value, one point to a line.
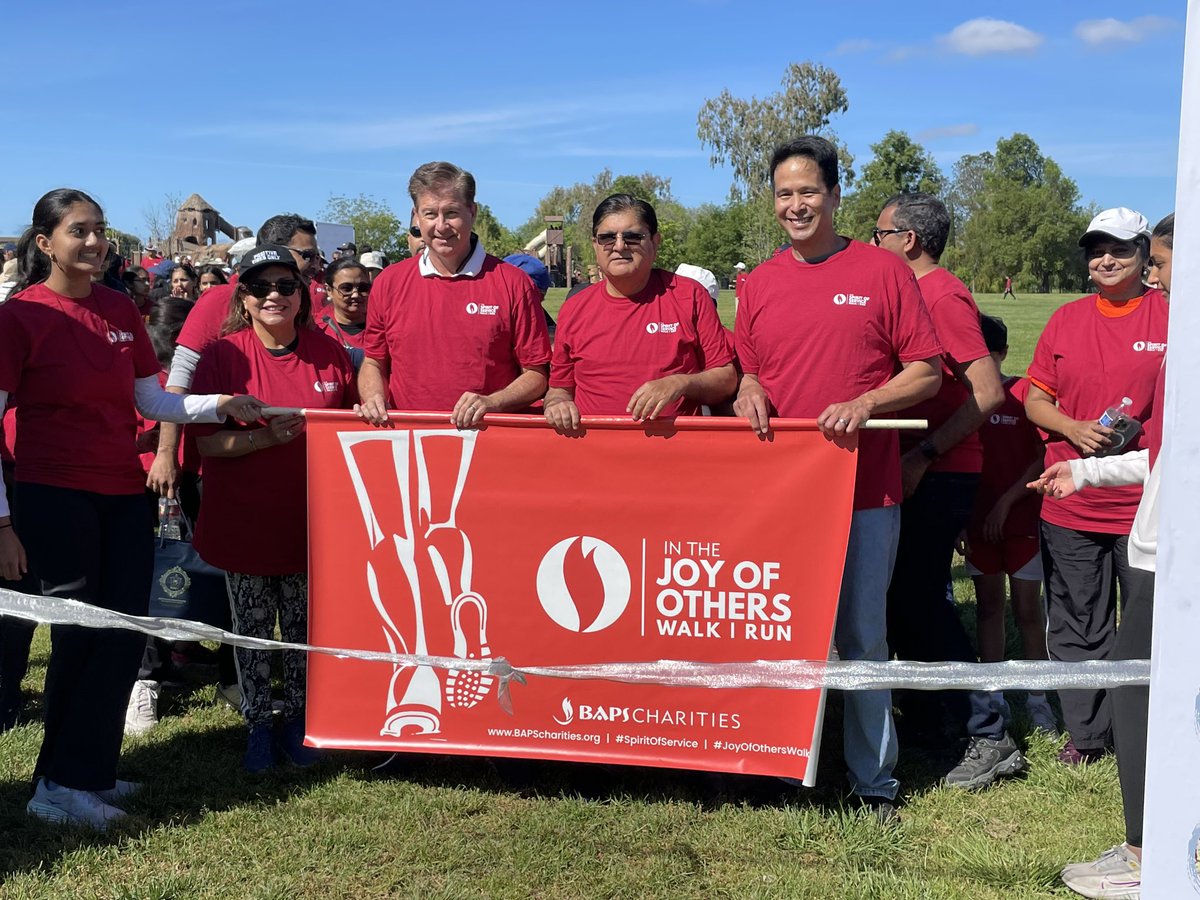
x: 836, y: 329
x: 77, y: 356
x: 643, y: 342
x: 1118, y: 871
x: 453, y: 330
x: 270, y: 346
x: 1094, y: 352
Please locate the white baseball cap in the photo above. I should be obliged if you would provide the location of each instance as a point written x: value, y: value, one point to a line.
x: 1120, y: 223
x: 705, y: 277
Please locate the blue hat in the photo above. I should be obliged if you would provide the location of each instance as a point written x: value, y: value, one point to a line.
x: 532, y: 267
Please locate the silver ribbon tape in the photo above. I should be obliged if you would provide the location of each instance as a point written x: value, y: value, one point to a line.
x: 845, y: 675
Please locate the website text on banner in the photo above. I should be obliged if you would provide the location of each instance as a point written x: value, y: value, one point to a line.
x: 695, y: 540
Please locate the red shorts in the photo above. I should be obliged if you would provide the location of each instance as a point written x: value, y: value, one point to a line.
x: 1018, y: 556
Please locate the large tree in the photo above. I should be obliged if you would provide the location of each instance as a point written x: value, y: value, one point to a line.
x: 1024, y: 220
x: 743, y: 132
x: 375, y: 224
x: 576, y: 203
x: 715, y: 239
x: 900, y: 165
x: 497, y: 239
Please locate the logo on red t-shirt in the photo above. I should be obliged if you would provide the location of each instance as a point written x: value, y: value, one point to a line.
x: 852, y: 299
x: 325, y: 387
x: 116, y: 336
x: 482, y: 309
x: 664, y: 327
x: 1150, y: 346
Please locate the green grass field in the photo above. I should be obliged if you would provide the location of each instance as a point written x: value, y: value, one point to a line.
x: 456, y: 828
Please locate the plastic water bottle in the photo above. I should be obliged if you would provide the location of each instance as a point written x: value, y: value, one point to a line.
x: 170, y: 519
x: 1124, y: 427
x: 1115, y: 414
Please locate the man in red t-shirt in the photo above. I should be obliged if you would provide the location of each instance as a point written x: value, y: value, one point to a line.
x: 835, y: 329
x: 453, y: 330
x: 941, y: 475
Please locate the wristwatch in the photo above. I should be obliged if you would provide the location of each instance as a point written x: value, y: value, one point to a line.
x: 929, y: 450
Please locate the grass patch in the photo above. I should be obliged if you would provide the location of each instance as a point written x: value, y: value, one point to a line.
x: 437, y: 827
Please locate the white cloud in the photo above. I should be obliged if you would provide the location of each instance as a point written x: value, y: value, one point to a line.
x: 983, y: 37
x: 1098, y: 32
x: 966, y: 129
x: 855, y: 45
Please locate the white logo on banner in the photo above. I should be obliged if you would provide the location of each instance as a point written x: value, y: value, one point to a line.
x: 568, y: 713
x: 555, y: 595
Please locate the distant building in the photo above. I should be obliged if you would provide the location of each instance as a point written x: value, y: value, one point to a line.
x: 197, y: 226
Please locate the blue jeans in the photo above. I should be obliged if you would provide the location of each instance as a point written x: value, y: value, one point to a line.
x: 868, y: 733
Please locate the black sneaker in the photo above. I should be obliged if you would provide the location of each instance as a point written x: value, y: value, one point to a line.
x: 986, y: 760
x: 883, y: 809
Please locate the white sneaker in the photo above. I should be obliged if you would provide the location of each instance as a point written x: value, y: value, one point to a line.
x: 72, y: 807
x: 120, y: 791
x: 1115, y: 875
x: 142, y: 713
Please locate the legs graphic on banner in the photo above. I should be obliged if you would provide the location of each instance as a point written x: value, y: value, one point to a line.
x: 425, y: 541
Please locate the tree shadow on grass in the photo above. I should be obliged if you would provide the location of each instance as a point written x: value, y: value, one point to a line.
x: 186, y: 776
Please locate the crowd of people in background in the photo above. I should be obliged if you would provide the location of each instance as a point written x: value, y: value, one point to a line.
x: 135, y: 354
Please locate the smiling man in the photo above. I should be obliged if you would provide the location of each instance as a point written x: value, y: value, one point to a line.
x: 454, y: 329
x: 836, y: 330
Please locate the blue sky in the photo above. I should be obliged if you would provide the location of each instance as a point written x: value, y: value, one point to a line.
x: 266, y: 107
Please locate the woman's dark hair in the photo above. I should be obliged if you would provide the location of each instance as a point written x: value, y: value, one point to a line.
x: 238, y: 318
x: 619, y: 203
x: 33, y: 266
x: 341, y: 265
x: 212, y: 269
x: 819, y: 150
x: 132, y: 274
x: 165, y: 322
x: 1165, y: 230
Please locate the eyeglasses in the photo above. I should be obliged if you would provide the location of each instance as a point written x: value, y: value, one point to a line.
x: 414, y: 230
x: 304, y: 254
x: 348, y: 289
x: 608, y: 239
x: 263, y: 289
x: 878, y: 233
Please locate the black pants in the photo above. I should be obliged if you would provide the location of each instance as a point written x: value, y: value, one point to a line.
x: 1131, y: 709
x: 16, y: 635
x: 923, y: 623
x: 98, y: 549
x: 1082, y: 571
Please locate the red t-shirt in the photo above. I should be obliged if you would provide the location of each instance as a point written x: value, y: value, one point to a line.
x: 956, y: 321
x: 606, y: 347
x: 204, y: 320
x: 1010, y: 443
x: 437, y: 338
x: 9, y: 427
x: 1089, y: 361
x: 821, y: 333
x: 73, y: 364
x: 328, y: 324
x: 254, y: 518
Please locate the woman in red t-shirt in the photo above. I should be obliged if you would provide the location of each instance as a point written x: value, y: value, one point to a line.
x: 253, y: 521
x: 347, y: 285
x: 1093, y: 353
x: 643, y: 342
x: 77, y: 356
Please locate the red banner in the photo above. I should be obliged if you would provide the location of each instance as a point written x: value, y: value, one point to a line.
x: 696, y: 540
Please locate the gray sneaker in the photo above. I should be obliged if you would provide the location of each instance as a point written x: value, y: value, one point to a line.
x: 986, y: 760
x: 1115, y: 875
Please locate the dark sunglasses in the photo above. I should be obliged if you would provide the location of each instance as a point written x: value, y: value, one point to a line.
x: 263, y: 289
x: 414, y: 230
x: 607, y: 239
x: 347, y: 289
x: 304, y: 254
x: 878, y: 233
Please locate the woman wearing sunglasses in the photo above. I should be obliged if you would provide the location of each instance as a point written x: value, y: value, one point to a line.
x: 347, y: 283
x: 270, y: 342
x: 1093, y: 353
x: 643, y: 342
